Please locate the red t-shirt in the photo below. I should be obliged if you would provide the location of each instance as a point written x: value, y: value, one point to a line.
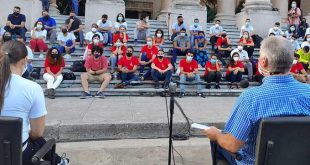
x: 53, y: 67
x: 90, y: 46
x: 119, y: 36
x: 210, y: 66
x: 158, y: 40
x: 297, y: 68
x: 149, y: 51
x: 188, y: 67
x: 96, y: 64
x: 257, y: 71
x: 124, y: 49
x: 163, y: 65
x: 128, y: 63
x: 247, y: 41
x: 239, y: 64
x: 221, y: 41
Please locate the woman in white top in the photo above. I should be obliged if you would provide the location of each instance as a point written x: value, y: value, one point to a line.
x: 120, y: 20
x: 23, y: 98
x: 38, y: 36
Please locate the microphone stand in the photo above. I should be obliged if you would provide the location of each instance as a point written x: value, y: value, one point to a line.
x: 172, y: 90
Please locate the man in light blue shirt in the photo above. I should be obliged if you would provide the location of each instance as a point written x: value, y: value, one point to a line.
x: 279, y: 95
x: 177, y: 26
x: 215, y: 32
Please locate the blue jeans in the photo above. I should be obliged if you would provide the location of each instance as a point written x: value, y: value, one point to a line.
x: 177, y: 52
x: 63, y: 50
x: 234, y: 77
x: 16, y: 31
x: 161, y: 77
x: 29, y: 68
x: 75, y: 6
x: 80, y: 35
x: 184, y: 79
x: 127, y: 78
x: 147, y: 74
x: 45, y: 5
x: 114, y: 59
x: 220, y: 154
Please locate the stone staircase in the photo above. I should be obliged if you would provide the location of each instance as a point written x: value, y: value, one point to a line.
x: 145, y: 88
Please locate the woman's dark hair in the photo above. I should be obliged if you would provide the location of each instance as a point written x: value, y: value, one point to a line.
x: 232, y: 62
x: 35, y: 25
x: 95, y: 35
x: 130, y: 47
x: 249, y: 37
x: 290, y: 31
x: 4, y: 38
x: 159, y: 30
x: 96, y: 49
x: 52, y: 60
x: 122, y: 16
x: 201, y: 32
x: 143, y: 16
x: 11, y: 52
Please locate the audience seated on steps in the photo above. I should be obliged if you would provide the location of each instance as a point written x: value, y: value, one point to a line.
x: 177, y: 27
x: 97, y: 70
x: 189, y: 73
x: 295, y: 43
x: 29, y: 66
x: 200, y: 49
x: 122, y: 35
x: 213, y: 72
x: 276, y: 30
x: 247, y: 28
x: 247, y: 42
x: 244, y: 58
x: 54, y: 64
x: 304, y: 57
x: 16, y: 23
x: 142, y: 29
x: 302, y: 28
x: 66, y: 42
x: 159, y: 39
x: 120, y: 20
x: 234, y: 71
x: 161, y: 70
x: 38, y: 36
x: 89, y: 35
x: 298, y: 70
x: 193, y: 30
x: 291, y: 31
x: 306, y: 41
x: 118, y: 51
x: 95, y: 41
x: 105, y: 28
x: 215, y: 33
x: 49, y: 25
x: 147, y: 55
x: 181, y: 44
x: 127, y: 67
x: 223, y: 45
x: 75, y: 26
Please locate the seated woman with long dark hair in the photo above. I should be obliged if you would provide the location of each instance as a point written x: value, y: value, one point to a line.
x: 23, y: 98
x: 234, y: 71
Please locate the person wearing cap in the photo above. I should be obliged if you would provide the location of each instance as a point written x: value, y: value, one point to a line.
x: 161, y: 70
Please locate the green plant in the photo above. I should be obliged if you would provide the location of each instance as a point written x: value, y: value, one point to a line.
x: 239, y: 6
x: 211, y: 12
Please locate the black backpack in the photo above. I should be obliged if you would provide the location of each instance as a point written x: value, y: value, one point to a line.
x: 78, y: 66
x: 68, y: 76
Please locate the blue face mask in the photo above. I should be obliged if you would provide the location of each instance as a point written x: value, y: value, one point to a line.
x: 213, y: 61
x: 201, y: 37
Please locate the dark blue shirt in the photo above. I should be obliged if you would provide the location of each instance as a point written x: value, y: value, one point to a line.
x: 48, y: 22
x: 17, y: 20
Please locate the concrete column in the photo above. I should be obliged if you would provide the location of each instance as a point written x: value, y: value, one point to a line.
x: 261, y: 14
x: 95, y: 8
x: 226, y: 11
x: 305, y: 6
x: 283, y: 8
x: 165, y: 10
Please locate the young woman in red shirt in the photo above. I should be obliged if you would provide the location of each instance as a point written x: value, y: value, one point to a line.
x: 213, y: 72
x: 159, y: 39
x: 95, y: 42
x: 54, y: 64
x: 247, y: 43
x: 234, y: 71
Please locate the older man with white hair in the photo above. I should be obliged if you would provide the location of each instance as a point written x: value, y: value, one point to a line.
x: 279, y: 95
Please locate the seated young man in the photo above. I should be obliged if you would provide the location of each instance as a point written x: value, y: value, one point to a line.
x: 127, y: 67
x: 223, y: 47
x: 16, y: 23
x: 75, y: 26
x: 213, y: 72
x: 147, y: 56
x: 181, y: 44
x: 142, y: 28
x: 161, y: 70
x: 298, y: 70
x: 89, y: 35
x: 97, y: 70
x: 188, y: 73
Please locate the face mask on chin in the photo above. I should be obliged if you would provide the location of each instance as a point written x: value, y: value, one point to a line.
x: 262, y: 71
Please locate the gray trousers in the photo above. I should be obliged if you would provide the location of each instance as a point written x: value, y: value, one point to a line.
x: 141, y: 35
x: 52, y: 35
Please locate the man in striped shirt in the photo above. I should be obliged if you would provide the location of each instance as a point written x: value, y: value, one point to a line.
x: 279, y: 95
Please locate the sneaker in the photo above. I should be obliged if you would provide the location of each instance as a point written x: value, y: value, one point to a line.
x: 201, y: 95
x: 41, y: 56
x: 115, y: 76
x: 142, y: 78
x: 166, y: 85
x: 217, y: 86
x: 208, y: 86
x: 85, y: 95
x: 156, y: 85
x: 100, y: 95
x: 119, y: 86
x: 67, y: 56
x: 64, y: 160
x: 181, y: 95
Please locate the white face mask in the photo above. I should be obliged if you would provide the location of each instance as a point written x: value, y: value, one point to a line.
x: 217, y: 25
x: 94, y: 30
x: 245, y: 36
x: 96, y: 41
x: 294, y: 5
x: 236, y: 59
x: 276, y: 28
x: 292, y: 29
x: 294, y: 62
x: 240, y: 48
x: 120, y: 19
x: 118, y: 44
x: 196, y: 24
x: 247, y: 23
x: 146, y: 20
x: 262, y: 71
x: 39, y: 27
x: 308, y: 39
x: 182, y: 34
x: 189, y: 58
x: 158, y: 35
x: 149, y: 43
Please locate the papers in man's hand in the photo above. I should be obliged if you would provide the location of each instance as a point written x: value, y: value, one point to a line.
x: 199, y: 126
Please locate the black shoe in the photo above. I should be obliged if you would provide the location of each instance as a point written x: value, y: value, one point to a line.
x: 208, y: 86
x: 201, y: 95
x: 156, y: 85
x: 166, y: 85
x: 217, y: 86
x: 85, y: 95
x: 51, y: 94
x: 181, y: 95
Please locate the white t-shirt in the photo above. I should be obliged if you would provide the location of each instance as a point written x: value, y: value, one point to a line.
x: 249, y: 29
x: 305, y: 43
x: 307, y: 31
x: 117, y: 24
x: 24, y: 99
x: 39, y: 33
x: 29, y: 56
x: 277, y: 33
x: 108, y: 23
x: 63, y: 38
x: 89, y: 36
x: 195, y: 29
x: 243, y: 55
x: 177, y: 28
